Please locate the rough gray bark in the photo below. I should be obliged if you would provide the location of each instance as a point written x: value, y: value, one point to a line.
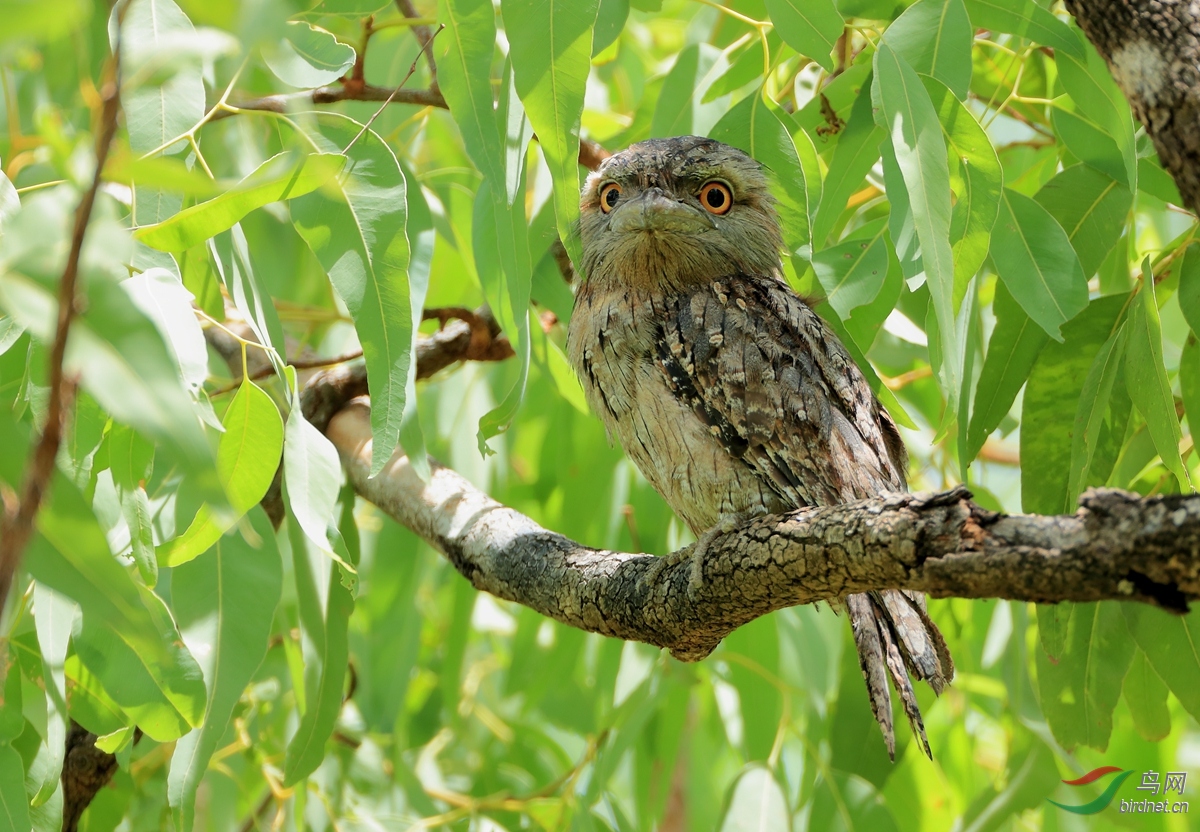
x: 1152, y: 48
x: 1117, y: 546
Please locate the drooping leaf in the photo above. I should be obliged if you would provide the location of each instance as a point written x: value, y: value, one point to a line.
x: 1026, y: 19
x: 1050, y: 403
x: 1189, y: 287
x: 224, y: 603
x: 856, y: 153
x: 313, y: 475
x: 976, y: 180
x: 1089, y: 415
x: 904, y: 110
x: 464, y: 67
x: 811, y: 27
x: 54, y: 619
x: 325, y: 606
x: 1170, y: 643
x: 286, y: 175
x: 1039, y: 267
x: 1146, y: 696
x: 852, y: 273
x: 1146, y: 378
x: 247, y: 458
x: 163, y: 299
x: 121, y: 360
x: 550, y: 48
x: 136, y: 650
x: 1015, y: 345
x: 754, y: 127
x: 1089, y: 143
x: 934, y: 37
x: 157, y: 110
x: 308, y: 56
x: 683, y: 106
x: 1091, y: 208
x: 1089, y: 83
x: 758, y: 803
x: 1079, y: 688
x: 357, y: 232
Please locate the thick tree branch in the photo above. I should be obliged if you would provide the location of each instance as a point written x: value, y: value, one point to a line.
x: 1152, y: 48
x: 1117, y: 546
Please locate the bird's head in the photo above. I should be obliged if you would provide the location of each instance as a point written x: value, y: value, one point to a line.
x: 675, y: 212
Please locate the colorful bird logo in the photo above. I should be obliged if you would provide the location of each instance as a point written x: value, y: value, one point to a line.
x: 1105, y: 798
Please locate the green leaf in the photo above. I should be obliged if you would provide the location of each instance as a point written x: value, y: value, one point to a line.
x: 750, y: 649
x: 852, y: 273
x: 163, y: 299
x: 811, y: 27
x: 1153, y: 180
x: 1050, y: 403
x: 464, y: 72
x: 856, y: 153
x: 224, y: 603
x: 1170, y: 644
x: 325, y: 607
x: 1026, y: 19
x: 130, y: 460
x: 135, y: 648
x: 157, y: 110
x: 757, y: 803
x: 247, y: 459
x: 1089, y: 415
x: 934, y: 37
x: 1090, y: 85
x: 120, y: 359
x: 976, y: 180
x: 904, y: 110
x: 284, y: 176
x: 683, y: 107
x: 1189, y: 383
x: 313, y: 474
x: 1015, y: 345
x: 866, y: 322
x: 1037, y: 264
x: 13, y: 806
x: 1189, y: 287
x: 1146, y: 378
x: 1080, y: 687
x: 1089, y: 143
x: 754, y: 126
x: 54, y: 618
x: 357, y: 232
x: 308, y: 56
x: 1091, y: 207
x: 1146, y: 696
x: 550, y: 46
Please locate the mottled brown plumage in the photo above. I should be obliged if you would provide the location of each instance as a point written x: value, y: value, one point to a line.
x: 730, y: 394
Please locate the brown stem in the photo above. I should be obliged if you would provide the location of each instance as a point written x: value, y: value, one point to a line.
x: 16, y: 524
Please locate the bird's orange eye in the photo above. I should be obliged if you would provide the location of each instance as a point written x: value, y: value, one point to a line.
x: 716, y: 198
x: 609, y: 195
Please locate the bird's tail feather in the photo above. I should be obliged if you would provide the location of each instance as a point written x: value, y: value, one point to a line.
x: 896, y: 637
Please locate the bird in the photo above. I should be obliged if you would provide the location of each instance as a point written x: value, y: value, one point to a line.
x: 730, y: 394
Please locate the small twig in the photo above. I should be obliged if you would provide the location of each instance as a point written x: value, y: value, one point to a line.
x: 423, y: 36
x: 16, y: 524
x: 298, y: 363
x: 412, y: 69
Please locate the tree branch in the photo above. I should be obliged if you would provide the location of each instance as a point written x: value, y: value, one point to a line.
x: 424, y: 37
x: 1117, y: 546
x: 1153, y: 52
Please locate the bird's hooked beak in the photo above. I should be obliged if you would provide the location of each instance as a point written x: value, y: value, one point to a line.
x: 653, y: 210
